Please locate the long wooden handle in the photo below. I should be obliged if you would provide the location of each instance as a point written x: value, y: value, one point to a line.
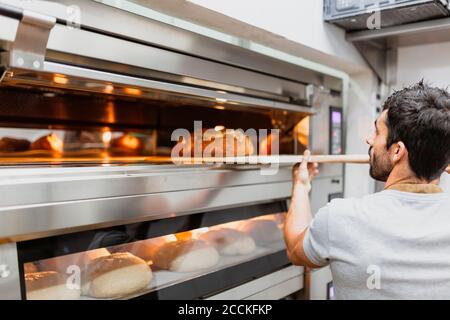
x: 283, y: 159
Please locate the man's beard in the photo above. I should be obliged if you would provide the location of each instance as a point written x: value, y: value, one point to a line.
x: 380, y: 166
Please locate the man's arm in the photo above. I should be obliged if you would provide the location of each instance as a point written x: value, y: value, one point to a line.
x: 299, y: 214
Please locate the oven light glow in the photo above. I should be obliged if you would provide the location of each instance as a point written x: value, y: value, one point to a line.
x: 219, y: 107
x: 55, y: 142
x: 169, y: 237
x: 132, y: 91
x: 108, y: 89
x: 219, y: 128
x: 106, y: 137
x: 60, y: 79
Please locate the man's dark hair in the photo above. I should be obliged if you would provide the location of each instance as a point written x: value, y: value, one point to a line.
x: 419, y: 116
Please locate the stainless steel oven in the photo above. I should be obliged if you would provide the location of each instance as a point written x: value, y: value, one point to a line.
x: 92, y: 206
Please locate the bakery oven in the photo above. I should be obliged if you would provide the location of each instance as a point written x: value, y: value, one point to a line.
x: 185, y: 257
x: 93, y: 206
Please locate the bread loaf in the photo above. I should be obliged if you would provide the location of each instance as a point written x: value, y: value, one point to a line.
x: 262, y: 230
x: 50, y: 142
x: 49, y: 285
x: 61, y: 263
x: 229, y: 241
x: 185, y: 256
x: 30, y: 268
x: 127, y: 144
x: 13, y: 145
x: 116, y: 275
x: 231, y: 143
x: 141, y: 249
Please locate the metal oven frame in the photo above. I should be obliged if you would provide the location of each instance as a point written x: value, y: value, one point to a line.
x: 38, y: 42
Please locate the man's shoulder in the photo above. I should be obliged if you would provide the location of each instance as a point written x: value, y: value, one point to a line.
x: 352, y: 205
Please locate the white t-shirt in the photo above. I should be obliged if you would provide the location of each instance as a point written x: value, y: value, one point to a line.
x: 445, y: 182
x: 387, y: 245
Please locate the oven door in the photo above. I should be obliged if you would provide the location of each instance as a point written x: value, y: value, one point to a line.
x: 186, y: 257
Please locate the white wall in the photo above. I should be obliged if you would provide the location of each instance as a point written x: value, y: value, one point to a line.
x: 431, y: 62
x: 361, y: 113
x: 298, y: 21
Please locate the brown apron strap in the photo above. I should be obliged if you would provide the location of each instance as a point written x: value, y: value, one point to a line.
x: 416, y: 188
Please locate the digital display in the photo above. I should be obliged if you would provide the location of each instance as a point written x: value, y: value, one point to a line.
x: 336, y: 130
x: 335, y: 117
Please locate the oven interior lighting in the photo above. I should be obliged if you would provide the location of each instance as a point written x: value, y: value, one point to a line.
x: 132, y: 91
x: 109, y: 89
x: 60, y: 79
x: 106, y: 137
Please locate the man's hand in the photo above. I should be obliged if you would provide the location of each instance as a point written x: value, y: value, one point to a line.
x: 299, y: 214
x: 305, y: 172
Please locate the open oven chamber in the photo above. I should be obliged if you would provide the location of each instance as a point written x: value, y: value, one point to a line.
x: 89, y: 192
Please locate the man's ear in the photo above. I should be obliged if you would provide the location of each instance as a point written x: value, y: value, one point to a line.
x: 400, y: 151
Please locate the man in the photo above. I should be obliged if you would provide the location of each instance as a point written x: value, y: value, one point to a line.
x: 394, y: 244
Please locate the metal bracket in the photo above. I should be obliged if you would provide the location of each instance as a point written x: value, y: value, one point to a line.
x: 29, y: 47
x: 383, y: 61
x: 2, y: 74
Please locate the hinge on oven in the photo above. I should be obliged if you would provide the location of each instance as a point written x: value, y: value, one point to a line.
x: 29, y: 47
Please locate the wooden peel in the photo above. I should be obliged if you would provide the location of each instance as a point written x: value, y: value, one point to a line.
x: 281, y: 159
x: 271, y: 159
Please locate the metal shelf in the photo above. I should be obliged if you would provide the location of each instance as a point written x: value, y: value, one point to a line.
x: 379, y: 47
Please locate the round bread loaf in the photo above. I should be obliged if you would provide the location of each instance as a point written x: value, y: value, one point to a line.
x: 50, y: 142
x: 61, y: 263
x: 30, y: 267
x: 49, y: 285
x: 116, y: 275
x: 8, y: 144
x: 230, y: 143
x: 185, y: 256
x: 262, y: 230
x: 229, y: 242
x: 127, y: 144
x: 141, y: 249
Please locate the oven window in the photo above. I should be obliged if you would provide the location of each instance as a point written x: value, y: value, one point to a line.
x: 46, y: 127
x: 157, y: 265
